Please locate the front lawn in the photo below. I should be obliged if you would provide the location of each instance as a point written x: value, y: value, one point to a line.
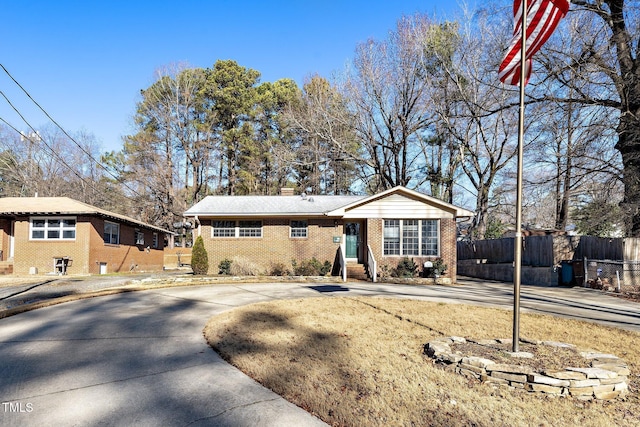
x: 359, y: 361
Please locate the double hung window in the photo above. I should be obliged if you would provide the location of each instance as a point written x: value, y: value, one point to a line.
x: 111, y: 233
x: 411, y: 237
x: 58, y: 228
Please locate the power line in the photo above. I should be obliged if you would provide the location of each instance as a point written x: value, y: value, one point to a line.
x: 61, y: 128
x: 42, y: 140
x: 135, y: 192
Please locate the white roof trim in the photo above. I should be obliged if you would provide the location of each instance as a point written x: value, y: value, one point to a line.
x: 458, y: 211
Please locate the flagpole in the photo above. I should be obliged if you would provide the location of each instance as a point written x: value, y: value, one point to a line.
x: 517, y: 273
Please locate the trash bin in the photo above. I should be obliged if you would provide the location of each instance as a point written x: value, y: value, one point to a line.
x: 566, y: 273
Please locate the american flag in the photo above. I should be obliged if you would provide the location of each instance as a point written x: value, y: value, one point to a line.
x: 542, y: 18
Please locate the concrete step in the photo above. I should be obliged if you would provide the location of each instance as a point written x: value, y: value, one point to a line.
x: 357, y: 272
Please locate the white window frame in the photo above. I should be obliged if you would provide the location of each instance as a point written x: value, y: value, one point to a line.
x: 242, y: 229
x: 424, y: 247
x: 223, y: 232
x: 299, y: 229
x: 111, y: 234
x: 249, y: 229
x: 407, y: 235
x: 139, y: 235
x: 47, y: 228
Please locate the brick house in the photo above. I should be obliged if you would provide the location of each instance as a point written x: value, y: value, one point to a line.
x: 367, y: 233
x: 41, y: 235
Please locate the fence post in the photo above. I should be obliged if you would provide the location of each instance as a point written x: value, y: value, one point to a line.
x: 586, y: 270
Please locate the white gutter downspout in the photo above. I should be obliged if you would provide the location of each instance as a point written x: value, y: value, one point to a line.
x: 197, y: 221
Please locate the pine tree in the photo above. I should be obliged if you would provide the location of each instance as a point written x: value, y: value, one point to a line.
x: 199, y: 257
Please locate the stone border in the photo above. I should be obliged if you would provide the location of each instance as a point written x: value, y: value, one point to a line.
x: 605, y: 379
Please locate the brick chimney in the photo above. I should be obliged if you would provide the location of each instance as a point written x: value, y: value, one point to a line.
x: 286, y: 191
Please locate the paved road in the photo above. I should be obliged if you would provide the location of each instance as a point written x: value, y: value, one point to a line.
x: 140, y: 358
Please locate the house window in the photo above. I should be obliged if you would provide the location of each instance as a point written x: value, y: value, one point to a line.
x: 391, y: 237
x: 299, y: 229
x: 111, y: 233
x: 430, y: 238
x: 224, y: 229
x: 250, y: 229
x: 139, y: 237
x: 411, y: 237
x: 236, y: 229
x: 155, y: 240
x: 53, y: 228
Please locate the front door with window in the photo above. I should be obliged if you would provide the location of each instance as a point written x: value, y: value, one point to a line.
x: 352, y: 240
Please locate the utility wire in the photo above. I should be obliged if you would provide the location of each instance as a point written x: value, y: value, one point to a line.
x: 41, y: 139
x: 135, y: 192
x: 61, y: 128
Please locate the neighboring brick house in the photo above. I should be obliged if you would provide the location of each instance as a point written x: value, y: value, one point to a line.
x: 374, y: 232
x: 60, y: 235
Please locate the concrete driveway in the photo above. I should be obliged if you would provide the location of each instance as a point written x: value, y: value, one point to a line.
x: 140, y: 358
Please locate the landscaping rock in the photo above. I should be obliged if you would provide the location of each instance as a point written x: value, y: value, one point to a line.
x: 595, y: 372
x: 605, y: 379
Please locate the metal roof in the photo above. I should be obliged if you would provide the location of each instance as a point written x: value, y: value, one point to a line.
x: 228, y: 206
x: 269, y: 205
x: 12, y: 206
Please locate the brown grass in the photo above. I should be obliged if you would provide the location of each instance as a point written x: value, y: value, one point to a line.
x: 359, y: 361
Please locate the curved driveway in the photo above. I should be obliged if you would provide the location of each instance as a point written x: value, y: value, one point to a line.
x: 139, y: 358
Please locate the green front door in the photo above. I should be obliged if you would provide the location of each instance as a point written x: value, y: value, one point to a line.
x: 352, y: 233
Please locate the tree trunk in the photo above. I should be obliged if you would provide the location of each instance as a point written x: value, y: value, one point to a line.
x: 629, y: 147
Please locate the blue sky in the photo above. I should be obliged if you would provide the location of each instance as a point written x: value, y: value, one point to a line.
x: 85, y: 61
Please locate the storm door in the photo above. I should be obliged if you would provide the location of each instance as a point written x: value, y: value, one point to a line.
x: 352, y: 231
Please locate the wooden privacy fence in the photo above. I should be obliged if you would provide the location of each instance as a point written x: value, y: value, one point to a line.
x: 547, y: 251
x: 553, y: 260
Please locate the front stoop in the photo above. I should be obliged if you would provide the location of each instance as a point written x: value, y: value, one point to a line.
x: 357, y: 272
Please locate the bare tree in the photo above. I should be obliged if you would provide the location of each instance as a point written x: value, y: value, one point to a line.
x: 604, y: 54
x: 478, y: 113
x: 388, y: 90
x: 326, y: 153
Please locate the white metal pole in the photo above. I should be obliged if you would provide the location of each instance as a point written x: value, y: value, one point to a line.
x: 517, y: 273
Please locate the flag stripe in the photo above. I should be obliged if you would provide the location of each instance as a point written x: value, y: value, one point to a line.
x: 543, y: 17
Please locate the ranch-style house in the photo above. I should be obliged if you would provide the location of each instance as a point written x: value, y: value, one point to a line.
x: 369, y: 234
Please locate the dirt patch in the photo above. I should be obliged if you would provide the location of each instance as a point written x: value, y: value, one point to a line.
x: 545, y: 357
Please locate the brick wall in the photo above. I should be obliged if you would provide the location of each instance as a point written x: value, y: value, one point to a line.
x: 127, y: 255
x: 275, y: 245
x: 5, y: 230
x: 87, y: 251
x: 447, y: 246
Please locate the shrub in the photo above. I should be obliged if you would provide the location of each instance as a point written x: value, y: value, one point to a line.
x: 279, y: 269
x: 406, y: 268
x: 241, y: 266
x: 225, y: 267
x: 199, y: 257
x: 311, y: 267
x: 439, y: 267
